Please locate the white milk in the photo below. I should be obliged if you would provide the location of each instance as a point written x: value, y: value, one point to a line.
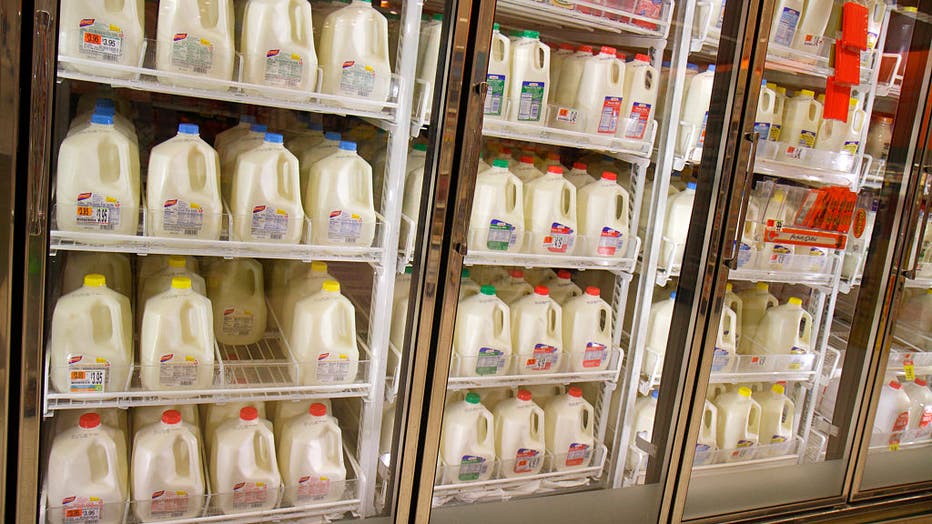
x: 658, y: 330
x: 726, y: 342
x: 776, y: 419
x: 427, y: 57
x: 414, y: 182
x: 676, y: 226
x: 300, y: 287
x: 338, y: 199
x: 266, y: 200
x: 482, y: 335
x: 115, y: 267
x: 114, y: 418
x: 106, y: 32
x: 145, y: 415
x: 603, y: 216
x: 738, y: 419
x: 854, y: 128
x: 243, y: 470
x: 786, y: 15
x: 167, y: 473
x: 183, y: 187
x: 195, y: 38
x: 892, y: 409
x: 237, y: 295
x: 809, y: 32
x: 305, y: 139
x: 587, y: 332
x: 514, y: 288
x: 530, y: 79
x: 766, y: 110
x: 708, y: 428
x: 281, y: 412
x: 519, y: 435
x: 754, y: 305
x: 106, y: 107
x: 228, y: 136
x: 734, y: 303
x: 309, y: 157
x: 561, y: 286
x: 695, y: 111
x: 879, y: 136
x: 498, y: 73
x: 87, y: 475
x: 537, y: 332
x: 278, y: 45
x: 310, y: 457
x: 571, y: 70
x: 640, y: 97
x: 231, y: 152
x: 598, y: 103
x: 91, y: 341
x: 467, y: 441
x: 161, y: 281
x: 400, y: 314
x: 526, y: 170
x: 570, y: 422
x: 786, y: 329
x: 323, y: 339
x: 920, y: 405
x: 579, y: 176
x: 644, y: 410
x: 800, y: 123
x: 497, y: 218
x: 213, y: 415
x: 557, y: 58
x: 355, y: 66
x: 550, y: 214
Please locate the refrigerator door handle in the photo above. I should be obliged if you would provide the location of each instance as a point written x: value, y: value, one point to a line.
x: 43, y: 72
x: 925, y: 202
x: 731, y: 259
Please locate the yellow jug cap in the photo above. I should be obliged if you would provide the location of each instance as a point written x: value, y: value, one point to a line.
x: 98, y: 280
x: 778, y: 389
x: 806, y: 92
x: 763, y: 286
x: 929, y: 291
x: 331, y: 286
x: 796, y: 301
x: 177, y: 261
x: 744, y: 391
x: 853, y: 102
x: 318, y: 267
x: 780, y: 90
x: 181, y: 283
x: 728, y: 287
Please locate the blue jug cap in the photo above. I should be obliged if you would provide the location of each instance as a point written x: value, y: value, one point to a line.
x: 691, y: 185
x: 107, y: 111
x: 258, y: 128
x: 104, y: 102
x: 348, y: 146
x: 189, y: 129
x: 106, y: 120
x: 330, y: 135
x: 711, y: 68
x: 655, y: 393
x: 274, y: 138
x: 673, y: 295
x: 247, y: 119
x: 315, y: 126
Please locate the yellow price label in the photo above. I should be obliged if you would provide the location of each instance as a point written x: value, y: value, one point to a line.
x: 909, y: 369
x: 895, y: 445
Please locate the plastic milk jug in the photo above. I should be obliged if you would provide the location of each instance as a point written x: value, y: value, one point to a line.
x: 776, y: 419
x: 530, y: 79
x: 857, y: 117
x: 237, y: 294
x: 676, y: 226
x: 230, y: 135
x: 281, y: 412
x: 266, y: 200
x: 640, y: 97
x: 786, y: 329
x: 526, y: 170
x: 400, y: 314
x: 537, y: 332
x: 146, y: 415
x: 644, y: 410
x: 469, y: 287
x: 427, y: 57
x: 498, y: 73
x: 482, y: 335
x: 355, y: 67
x: 800, y: 123
x: 726, y: 342
x: 708, y: 428
x: 114, y: 267
x: 571, y: 71
x: 167, y: 473
x: 754, y: 305
x: 195, y: 38
x: 183, y: 187
x: 176, y: 346
x: 808, y: 37
x: 106, y: 32
x: 87, y: 481
x: 587, y: 332
x: 497, y: 218
x: 323, y: 337
x: 243, y: 470
x: 114, y: 418
x: 91, y: 340
x: 310, y: 457
x: 278, y: 45
x: 598, y: 103
x: 105, y: 107
x: 892, y: 409
x: 734, y: 303
x: 414, y: 182
x: 579, y: 176
x: 562, y: 287
x: 766, y: 110
x: 213, y: 415
x: 514, y: 288
x: 299, y: 288
x: 658, y: 330
x: 786, y: 15
x: 550, y: 214
x: 603, y: 216
x: 162, y: 281
x: 307, y: 158
x: 557, y: 57
x: 695, y: 111
x: 920, y: 405
x: 739, y: 418
x: 230, y: 153
x: 307, y: 138
x: 570, y: 422
x: 338, y: 199
x: 98, y: 192
x: 519, y: 435
x: 467, y: 441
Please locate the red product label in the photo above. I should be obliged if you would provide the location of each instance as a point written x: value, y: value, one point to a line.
x: 926, y: 418
x: 86, y: 22
x: 608, y: 118
x: 577, y: 454
x: 902, y: 420
x: 560, y: 238
x: 638, y: 119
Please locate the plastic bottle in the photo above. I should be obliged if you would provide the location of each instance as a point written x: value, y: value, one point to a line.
x: 232, y: 134
x: 526, y: 171
x: 497, y: 218
x: 676, y: 226
x: 920, y: 405
x: 809, y: 32
x: 414, y: 183
x: 658, y: 330
x: 310, y: 457
x: 786, y: 15
x: 468, y: 286
x: 498, y: 74
x: 278, y: 45
x: 196, y: 39
x: 308, y: 157
x: 143, y: 416
x: 587, y: 332
x: 597, y: 107
x: 766, y: 110
x: 114, y: 267
x: 562, y: 287
x: 105, y: 107
x: 570, y: 422
x: 579, y: 176
x: 356, y: 67
x: 427, y: 57
x: 800, y: 123
x: 754, y: 305
x: 230, y: 153
x: 514, y: 288
x: 645, y: 407
x: 306, y: 283
x: 323, y: 338
x: 563, y: 53
x: 305, y: 139
x: 854, y: 128
x: 338, y: 199
x: 237, y: 295
x: 519, y: 435
x: 879, y: 136
x: 213, y: 415
x: 706, y: 441
x: 162, y: 281
x: 640, y: 97
x: 530, y: 79
x: 776, y: 419
x: 893, y: 409
x: 603, y: 216
x: 537, y: 332
x: 106, y: 32
x: 695, y: 111
x: 550, y: 214
x: 571, y: 71
x: 776, y: 127
x: 734, y: 303
x: 243, y: 471
x: 726, y: 342
x: 467, y: 441
x: 739, y: 419
x: 786, y: 329
x: 552, y: 158
x: 482, y: 335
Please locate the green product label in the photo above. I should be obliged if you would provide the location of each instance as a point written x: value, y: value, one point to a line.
x: 495, y: 95
x: 531, y: 102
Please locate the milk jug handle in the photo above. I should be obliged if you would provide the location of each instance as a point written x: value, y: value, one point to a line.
x: 590, y: 417
x: 489, y: 424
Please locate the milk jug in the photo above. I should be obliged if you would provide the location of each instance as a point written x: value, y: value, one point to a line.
x: 106, y: 107
x: 113, y: 266
x: 658, y: 330
x: 570, y: 422
x: 853, y: 129
x: 281, y: 412
x: 228, y: 136
x: 162, y: 281
x: 243, y: 471
x: 145, y: 415
x: 640, y: 97
x: 182, y: 189
x: 754, y: 305
x: 266, y: 200
x: 734, y: 303
x: 530, y: 79
x: 305, y: 139
x: 497, y: 218
x: 167, y: 473
x: 644, y: 411
x: 195, y: 38
x: 230, y: 153
x: 786, y: 329
x: 91, y: 342
x: 587, y: 332
x: 301, y: 287
x: 809, y: 32
x: 482, y: 335
x: 562, y: 287
x: 278, y: 45
x: 786, y: 15
x: 498, y: 73
x: 400, y: 314
x: 428, y: 53
x: 355, y: 67
x: 766, y: 109
x: 603, y: 216
x: 708, y: 428
x: 598, y: 103
x: 468, y: 286
x: 776, y: 419
x: 920, y: 405
x: 571, y: 71
x: 726, y: 343
x: 310, y: 457
x: 676, y: 226
x: 579, y: 176
x: 414, y: 182
x: 323, y: 338
x: 892, y: 409
x: 537, y: 332
x: 563, y: 52
x: 87, y: 478
x: 519, y: 435
x: 308, y: 157
x: 213, y: 415
x: 800, y: 123
x: 738, y: 419
x: 526, y: 170
x: 514, y: 288
x: 338, y: 199
x: 467, y: 441
x: 238, y: 299
x: 695, y: 111
x: 550, y: 214
x: 98, y: 192
x: 106, y: 32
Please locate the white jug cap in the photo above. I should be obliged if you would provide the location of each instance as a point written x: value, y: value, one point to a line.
x: 95, y: 280
x: 89, y: 420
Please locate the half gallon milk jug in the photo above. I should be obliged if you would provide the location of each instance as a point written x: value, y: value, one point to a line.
x: 266, y: 201
x: 597, y: 106
x: 237, y: 295
x: 579, y: 176
x: 243, y: 470
x: 734, y: 303
x: 498, y: 73
x: 92, y: 339
x: 676, y: 226
x: 561, y: 286
x: 310, y: 457
x: 571, y: 71
x: 482, y: 335
x: 537, y: 332
x: 469, y: 287
x: 738, y: 419
x: 114, y: 267
x: 525, y: 169
x: 892, y: 409
x: 106, y: 32
x: 800, y: 123
x: 695, y: 111
x: 467, y: 441
x: 354, y: 52
x: 167, y: 473
x: 766, y: 108
x: 213, y: 415
x: 587, y: 332
x: 176, y: 347
x: 530, y: 79
x: 98, y: 192
x: 640, y: 97
x: 278, y: 45
x: 809, y: 32
x: 786, y: 15
x: 570, y: 422
x: 776, y: 127
x: 183, y: 187
x: 603, y: 216
x: 87, y: 478
x: 514, y: 288
x: 644, y: 410
x: 754, y: 305
x: 338, y: 199
x: 550, y: 214
x: 300, y: 287
x: 400, y: 309
x: 776, y: 419
x: 519, y: 435
x: 323, y: 338
x: 497, y: 218
x: 307, y: 138
x: 195, y: 38
x: 726, y: 343
x: 145, y: 415
x: 308, y: 157
x: 920, y: 405
x: 563, y: 52
x: 786, y: 329
x: 708, y: 428
x: 281, y: 412
x: 658, y: 330
x: 847, y: 137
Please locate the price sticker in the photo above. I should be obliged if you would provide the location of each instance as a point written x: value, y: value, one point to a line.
x: 909, y: 369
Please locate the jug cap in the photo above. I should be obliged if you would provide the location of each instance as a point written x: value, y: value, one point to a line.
x: 523, y: 394
x: 654, y: 393
x: 542, y: 291
x: 796, y: 301
x: 692, y: 67
x: 101, y: 119
x: 464, y: 273
x: 347, y: 146
x: 105, y: 102
x: 419, y: 147
x: 274, y: 138
x: 527, y: 160
x: 487, y: 290
x: 500, y: 163
x: 895, y: 384
x: 409, y: 270
x: 555, y: 169
x: 247, y: 119
x: 691, y: 185
x: 711, y: 68
x: 472, y: 397
x: 608, y: 175
x: 593, y: 291
x: 853, y: 102
x: 517, y: 273
x: 780, y: 90
x: 806, y: 92
x: 248, y: 413
x: 106, y: 111
x: 496, y: 27
x: 317, y: 409
x: 580, y: 165
x: 331, y: 135
x: 95, y: 280
x: 553, y: 155
x: 728, y: 287
x: 189, y: 129
x: 437, y: 16
x: 641, y: 57
x: 181, y: 283
x: 318, y: 266
x: 171, y: 417
x: 821, y: 98
x: 778, y: 388
x: 330, y: 286
x: 527, y: 33
x: 744, y: 391
x: 673, y: 295
x: 763, y: 286
x: 566, y: 47
x: 920, y: 382
x: 885, y: 119
x: 607, y: 50
x: 177, y: 261
x: 763, y: 82
x: 574, y: 391
x: 564, y: 274
x: 89, y: 420
x: 584, y: 49
x: 258, y: 128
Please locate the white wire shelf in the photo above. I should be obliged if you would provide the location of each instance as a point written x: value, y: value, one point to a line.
x: 542, y: 134
x: 811, y: 165
x: 762, y: 368
x: 624, y: 263
x: 464, y: 375
x: 724, y: 461
x: 788, y: 268
x: 587, y: 16
x: 921, y: 282
x: 893, y: 442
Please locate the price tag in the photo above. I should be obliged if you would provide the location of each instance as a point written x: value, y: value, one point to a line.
x: 894, y: 445
x: 910, y: 370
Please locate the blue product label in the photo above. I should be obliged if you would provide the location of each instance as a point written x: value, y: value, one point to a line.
x: 762, y: 129
x: 786, y: 26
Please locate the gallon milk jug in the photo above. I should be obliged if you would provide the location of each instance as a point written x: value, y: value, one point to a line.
x: 640, y: 97
x: 726, y: 343
x: 676, y: 226
x: 237, y: 295
x: 114, y: 267
x: 400, y: 314
x: 87, y: 478
x: 754, y: 305
x: 213, y: 415
x: 786, y: 329
x: 766, y: 108
x: 228, y: 136
x: 519, y: 435
x: 167, y: 473
x: 106, y: 107
x: 106, y: 32
x: 414, y: 182
x: 323, y: 338
x: 776, y: 127
x: 695, y: 111
x: 281, y: 412
x: 498, y: 73
x: 562, y: 287
x: 776, y: 419
x: 809, y: 32
x: 243, y: 470
x: 354, y: 52
x: 734, y: 303
x: 312, y: 135
x: 537, y: 332
x: 892, y: 409
x: 603, y: 216
x: 786, y: 15
x: 469, y: 287
x: 176, y: 347
x: 98, y: 192
x: 183, y: 187
x: 497, y: 218
x: 738, y: 419
x: 644, y: 410
x: 299, y: 288
x: 800, y: 123
x: 338, y: 199
x: 514, y: 288
x: 92, y: 339
x: 587, y: 332
x: 467, y: 441
x: 427, y: 56
x: 598, y: 103
x: 563, y: 52
x: 195, y: 38
x: 579, y: 176
x: 708, y: 428
x: 569, y: 433
x: 310, y: 457
x: 920, y: 405
x: 571, y: 71
x: 482, y: 335
x: 658, y: 330
x: 278, y: 45
x: 145, y: 415
x: 162, y: 281
x: 308, y: 157
x: 230, y: 153
x: 266, y: 200
x: 530, y: 79
x: 526, y: 170
x: 550, y: 214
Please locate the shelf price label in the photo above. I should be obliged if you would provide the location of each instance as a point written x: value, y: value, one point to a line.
x: 909, y: 369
